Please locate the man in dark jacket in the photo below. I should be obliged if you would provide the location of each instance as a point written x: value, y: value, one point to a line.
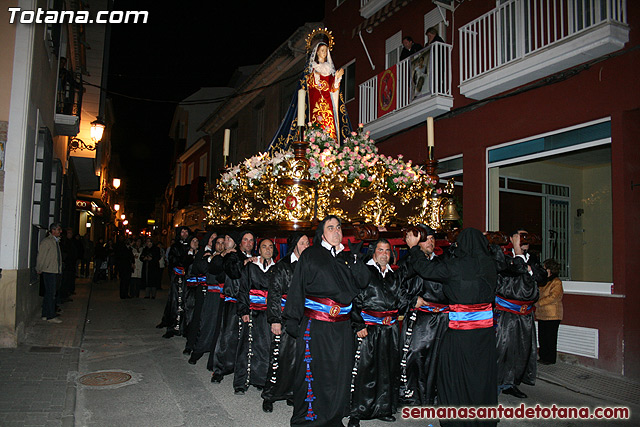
x: 177, y: 254
x: 409, y: 47
x: 125, y: 264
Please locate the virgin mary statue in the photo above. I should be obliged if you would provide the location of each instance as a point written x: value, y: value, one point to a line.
x: 324, y: 101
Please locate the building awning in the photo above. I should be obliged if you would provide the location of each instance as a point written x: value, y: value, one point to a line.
x: 85, y: 173
x: 380, y: 16
x: 91, y: 201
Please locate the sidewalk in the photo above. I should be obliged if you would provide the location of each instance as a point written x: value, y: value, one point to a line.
x: 38, y: 380
x: 35, y: 386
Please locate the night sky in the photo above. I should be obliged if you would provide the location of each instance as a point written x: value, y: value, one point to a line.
x: 184, y: 46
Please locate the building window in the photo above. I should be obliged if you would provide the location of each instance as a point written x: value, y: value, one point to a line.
x: 349, y: 81
x: 392, y: 48
x: 190, y: 173
x: 203, y: 169
x: 434, y: 19
x: 570, y: 207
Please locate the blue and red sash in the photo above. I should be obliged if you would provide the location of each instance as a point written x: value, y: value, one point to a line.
x: 379, y: 317
x: 196, y: 280
x: 257, y: 299
x: 470, y: 316
x: 326, y: 309
x: 432, y: 307
x: 514, y: 306
x: 179, y: 271
x: 227, y: 298
x: 214, y: 288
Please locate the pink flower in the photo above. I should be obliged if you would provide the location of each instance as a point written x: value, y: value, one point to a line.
x: 439, y: 191
x: 370, y: 179
x: 342, y: 163
x: 400, y: 156
x: 353, y: 134
x: 308, y: 150
x: 345, y: 172
x: 395, y: 180
x: 360, y: 125
x: 312, y: 139
x: 351, y: 168
x: 316, y: 175
x: 361, y: 176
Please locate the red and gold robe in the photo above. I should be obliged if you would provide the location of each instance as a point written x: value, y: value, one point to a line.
x: 322, y: 107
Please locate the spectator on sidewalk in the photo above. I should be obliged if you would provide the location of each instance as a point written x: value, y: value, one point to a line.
x: 49, y: 266
x: 87, y: 255
x: 69, y: 263
x: 125, y: 263
x: 136, y: 275
x: 549, y: 313
x: 100, y: 262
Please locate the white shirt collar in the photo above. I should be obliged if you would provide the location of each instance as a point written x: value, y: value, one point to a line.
x: 258, y: 262
x: 294, y: 258
x: 375, y: 264
x: 327, y: 246
x: 525, y: 257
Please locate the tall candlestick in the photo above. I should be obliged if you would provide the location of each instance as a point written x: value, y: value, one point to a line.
x: 430, y: 132
x: 301, y: 106
x: 225, y: 145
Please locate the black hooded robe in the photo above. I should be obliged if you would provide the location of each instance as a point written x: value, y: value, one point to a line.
x: 324, y: 349
x: 252, y: 357
x: 211, y: 314
x: 466, y: 373
x: 223, y: 360
x: 376, y: 382
x: 174, y: 307
x: 279, y: 385
x: 422, y: 332
x: 516, y: 333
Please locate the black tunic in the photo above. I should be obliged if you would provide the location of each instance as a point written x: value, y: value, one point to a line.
x: 194, y: 298
x: 223, y: 360
x: 151, y: 267
x: 516, y: 333
x: 330, y: 344
x: 252, y: 356
x: 279, y: 385
x: 376, y: 381
x: 421, y: 336
x: 210, y: 316
x: 466, y: 373
x: 174, y: 307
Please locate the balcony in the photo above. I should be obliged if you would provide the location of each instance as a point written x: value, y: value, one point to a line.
x: 415, y: 98
x: 68, y: 103
x: 525, y: 40
x: 370, y: 7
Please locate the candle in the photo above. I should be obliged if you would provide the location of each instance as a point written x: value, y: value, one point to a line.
x: 225, y: 146
x: 429, y: 131
x: 301, y: 106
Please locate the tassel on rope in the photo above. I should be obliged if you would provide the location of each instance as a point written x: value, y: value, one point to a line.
x: 405, y: 352
x: 276, y: 353
x: 354, y: 371
x: 309, y: 376
x: 249, y: 352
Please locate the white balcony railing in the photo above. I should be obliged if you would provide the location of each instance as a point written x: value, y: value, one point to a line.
x: 439, y: 76
x: 519, y: 28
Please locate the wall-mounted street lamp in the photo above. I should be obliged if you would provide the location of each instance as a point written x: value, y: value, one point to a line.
x: 97, y: 129
x: 116, y: 207
x: 116, y: 183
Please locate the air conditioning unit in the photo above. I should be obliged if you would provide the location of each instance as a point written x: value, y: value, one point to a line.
x: 447, y: 4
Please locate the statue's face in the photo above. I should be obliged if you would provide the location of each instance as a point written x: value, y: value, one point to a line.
x: 322, y: 53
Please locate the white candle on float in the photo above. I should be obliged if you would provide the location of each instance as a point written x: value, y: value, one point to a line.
x: 429, y: 131
x: 225, y: 145
x: 302, y: 94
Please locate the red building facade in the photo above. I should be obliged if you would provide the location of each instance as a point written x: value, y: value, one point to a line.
x: 537, y: 116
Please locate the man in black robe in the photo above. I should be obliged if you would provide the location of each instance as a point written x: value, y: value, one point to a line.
x: 173, y: 308
x: 516, y: 293
x: 223, y: 360
x: 196, y: 280
x: 375, y: 320
x: 467, y: 364
x: 210, y: 315
x: 279, y: 385
x: 317, y: 313
x: 252, y: 357
x: 422, y: 328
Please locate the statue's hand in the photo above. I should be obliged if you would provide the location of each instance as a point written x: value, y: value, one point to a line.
x: 339, y: 73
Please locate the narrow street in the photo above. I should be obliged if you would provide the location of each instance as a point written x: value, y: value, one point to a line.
x: 119, y: 371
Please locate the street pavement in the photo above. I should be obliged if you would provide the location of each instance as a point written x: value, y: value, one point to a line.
x: 107, y: 365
